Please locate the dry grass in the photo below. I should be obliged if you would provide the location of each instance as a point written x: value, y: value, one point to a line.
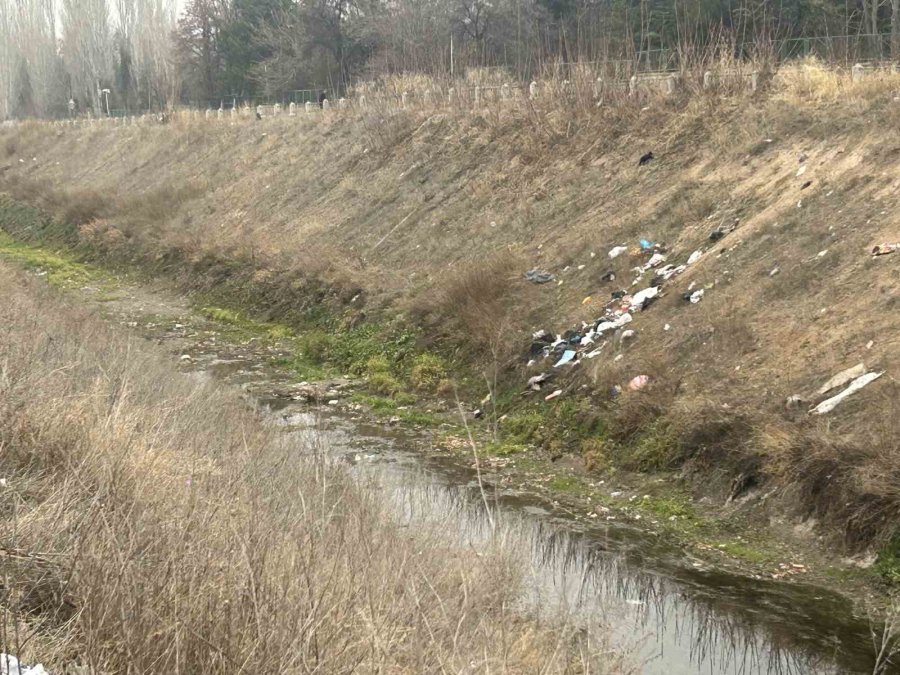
x: 152, y: 523
x: 403, y: 204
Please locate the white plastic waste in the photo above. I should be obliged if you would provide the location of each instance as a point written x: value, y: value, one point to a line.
x: 696, y: 296
x: 615, y: 323
x: 830, y: 404
x: 655, y: 260
x: 616, y: 251
x: 641, y: 297
x: 9, y: 665
x: 695, y: 256
x: 843, y: 378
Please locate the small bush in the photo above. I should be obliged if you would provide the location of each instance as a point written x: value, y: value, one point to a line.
x: 428, y: 371
x: 384, y: 384
x: 317, y: 346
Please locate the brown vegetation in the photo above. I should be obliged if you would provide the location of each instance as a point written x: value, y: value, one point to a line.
x: 153, y: 523
x: 419, y: 208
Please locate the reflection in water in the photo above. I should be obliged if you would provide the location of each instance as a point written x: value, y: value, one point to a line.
x: 673, y: 617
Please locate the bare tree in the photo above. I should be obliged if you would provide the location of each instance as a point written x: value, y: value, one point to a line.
x: 87, y: 48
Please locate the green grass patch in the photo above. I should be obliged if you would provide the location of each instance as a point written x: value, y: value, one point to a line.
x: 243, y: 323
x: 504, y: 448
x: 887, y: 564
x: 745, y: 551
x: 62, y: 270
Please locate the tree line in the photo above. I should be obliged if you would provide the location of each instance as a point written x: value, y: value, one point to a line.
x: 64, y: 57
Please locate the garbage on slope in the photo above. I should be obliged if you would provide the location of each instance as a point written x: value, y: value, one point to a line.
x: 842, y: 378
x: 539, y: 276
x: 885, y: 249
x: 9, y: 665
x: 616, y: 251
x: 830, y: 404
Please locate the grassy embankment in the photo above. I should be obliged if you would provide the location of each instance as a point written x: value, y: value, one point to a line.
x: 153, y: 523
x: 405, y: 233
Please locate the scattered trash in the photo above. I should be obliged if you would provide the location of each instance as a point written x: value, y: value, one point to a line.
x: 870, y: 344
x: 567, y: 357
x: 3, y: 483
x: 655, y: 260
x: 801, y: 171
x: 586, y: 300
x: 535, y: 382
x: 695, y: 256
x: 555, y: 394
x: 618, y: 295
x: 645, y: 159
x: 639, y: 382
x: 667, y: 327
x: 628, y: 334
x: 794, y: 402
x: 9, y: 665
x: 608, y: 276
x: 830, y: 404
x: 842, y: 378
x: 539, y: 276
x: 185, y: 357
x: 619, y: 357
x: 722, y: 230
x: 822, y: 254
x: 616, y: 251
x: 477, y: 414
x: 885, y: 249
x: 594, y: 353
x: 695, y: 297
x: 775, y: 270
x: 646, y: 244
x: 333, y: 401
x: 641, y: 297
x: 805, y: 184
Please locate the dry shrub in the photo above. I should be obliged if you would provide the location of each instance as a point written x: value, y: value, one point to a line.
x: 844, y: 469
x: 153, y: 523
x: 485, y: 303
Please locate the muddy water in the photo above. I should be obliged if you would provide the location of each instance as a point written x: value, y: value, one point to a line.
x: 672, y: 614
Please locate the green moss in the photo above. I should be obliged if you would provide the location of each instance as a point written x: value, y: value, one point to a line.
x: 504, y: 448
x: 569, y: 484
x: 379, y: 404
x: 745, y: 551
x: 239, y: 321
x: 61, y: 269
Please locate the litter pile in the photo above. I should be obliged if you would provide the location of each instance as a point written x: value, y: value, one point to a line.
x: 588, y: 340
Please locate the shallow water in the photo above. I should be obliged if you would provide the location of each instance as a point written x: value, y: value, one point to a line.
x: 672, y: 613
